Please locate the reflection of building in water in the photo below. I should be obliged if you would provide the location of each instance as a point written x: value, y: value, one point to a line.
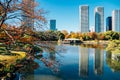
x: 83, y: 61
x: 52, y: 56
x: 98, y: 61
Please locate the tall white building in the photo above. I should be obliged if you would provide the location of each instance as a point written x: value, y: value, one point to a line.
x: 84, y: 18
x: 116, y: 20
x: 99, y: 19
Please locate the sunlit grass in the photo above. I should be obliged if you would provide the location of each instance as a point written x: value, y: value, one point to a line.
x: 11, y: 59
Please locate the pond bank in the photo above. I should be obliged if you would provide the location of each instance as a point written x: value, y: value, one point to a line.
x: 8, y: 64
x: 96, y: 42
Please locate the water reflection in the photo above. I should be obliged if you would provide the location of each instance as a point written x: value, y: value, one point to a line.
x: 53, y: 63
x: 83, y: 61
x: 85, y: 64
x: 52, y: 56
x: 98, y: 61
x: 113, y: 60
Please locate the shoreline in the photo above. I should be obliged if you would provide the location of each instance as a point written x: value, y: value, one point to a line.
x: 101, y: 42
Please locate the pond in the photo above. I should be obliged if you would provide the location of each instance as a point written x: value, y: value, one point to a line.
x: 77, y: 62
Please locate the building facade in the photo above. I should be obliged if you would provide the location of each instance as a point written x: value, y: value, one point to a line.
x: 28, y: 21
x: 99, y: 19
x: 53, y: 25
x: 84, y: 18
x: 116, y: 20
x: 108, y: 23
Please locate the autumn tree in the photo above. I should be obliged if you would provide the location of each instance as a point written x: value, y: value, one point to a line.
x: 24, y: 38
x: 18, y: 10
x: 65, y: 33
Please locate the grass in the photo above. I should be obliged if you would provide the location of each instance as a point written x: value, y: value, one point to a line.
x: 11, y: 59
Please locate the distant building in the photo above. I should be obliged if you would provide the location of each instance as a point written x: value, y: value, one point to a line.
x: 92, y: 29
x: 99, y: 19
x: 108, y: 23
x: 53, y: 25
x: 28, y: 22
x: 116, y: 20
x: 84, y: 18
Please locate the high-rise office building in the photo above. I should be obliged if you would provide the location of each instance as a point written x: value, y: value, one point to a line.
x: 108, y: 23
x: 53, y: 25
x: 99, y: 19
x: 28, y: 21
x: 84, y: 18
x: 116, y: 20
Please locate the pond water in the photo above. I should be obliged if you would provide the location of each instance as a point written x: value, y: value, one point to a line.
x: 78, y: 63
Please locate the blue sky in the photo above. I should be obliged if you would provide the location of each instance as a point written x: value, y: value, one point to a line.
x: 66, y: 12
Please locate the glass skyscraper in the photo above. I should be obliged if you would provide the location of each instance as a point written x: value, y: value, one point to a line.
x: 53, y: 25
x: 108, y: 23
x: 116, y: 20
x: 84, y: 18
x: 99, y: 19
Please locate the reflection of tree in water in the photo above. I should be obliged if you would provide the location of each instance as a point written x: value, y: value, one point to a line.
x: 51, y: 62
x: 113, y: 60
x: 28, y: 65
x: 93, y: 46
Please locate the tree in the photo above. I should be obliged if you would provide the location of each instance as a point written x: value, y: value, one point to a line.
x: 61, y: 36
x: 78, y: 35
x: 13, y: 9
x: 25, y: 39
x: 64, y: 32
x: 72, y: 34
x: 19, y: 9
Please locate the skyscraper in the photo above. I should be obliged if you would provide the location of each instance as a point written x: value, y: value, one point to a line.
x: 84, y: 18
x: 53, y: 25
x: 28, y: 21
x: 116, y: 20
x: 108, y: 23
x: 99, y: 19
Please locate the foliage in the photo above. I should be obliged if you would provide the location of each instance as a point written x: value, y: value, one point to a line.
x: 11, y: 10
x: 50, y: 35
x: 114, y: 63
x: 108, y: 35
x: 23, y: 38
x: 61, y: 36
x: 64, y: 32
x: 114, y: 46
x: 93, y: 46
